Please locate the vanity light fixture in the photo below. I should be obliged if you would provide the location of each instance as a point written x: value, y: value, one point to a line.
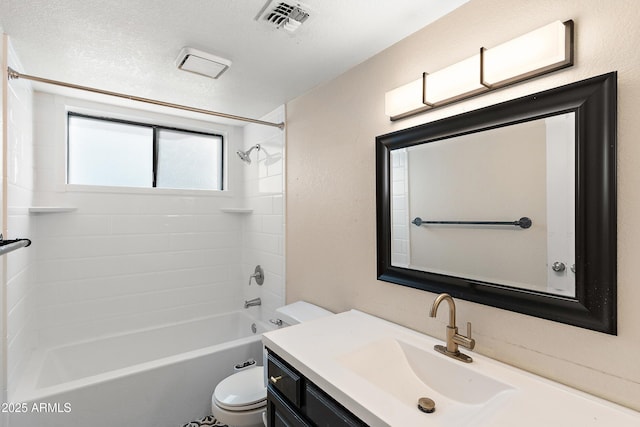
x: 405, y: 100
x: 543, y: 50
x: 538, y: 52
x: 458, y: 81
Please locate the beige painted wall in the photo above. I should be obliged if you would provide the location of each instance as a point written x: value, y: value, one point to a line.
x: 331, y: 257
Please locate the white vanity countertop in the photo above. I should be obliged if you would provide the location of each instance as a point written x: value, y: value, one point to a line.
x: 319, y: 348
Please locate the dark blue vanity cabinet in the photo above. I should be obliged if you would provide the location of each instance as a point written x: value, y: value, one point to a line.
x: 294, y: 401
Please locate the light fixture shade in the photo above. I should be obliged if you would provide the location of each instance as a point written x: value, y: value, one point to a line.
x: 541, y: 51
x: 203, y: 63
x: 405, y: 99
x: 454, y: 82
x: 545, y: 49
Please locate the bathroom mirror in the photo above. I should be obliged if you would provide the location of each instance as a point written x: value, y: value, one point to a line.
x: 512, y: 205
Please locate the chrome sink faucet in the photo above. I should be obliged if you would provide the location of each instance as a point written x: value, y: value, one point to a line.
x: 453, y: 338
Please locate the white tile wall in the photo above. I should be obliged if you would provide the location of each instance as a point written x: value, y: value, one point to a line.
x: 263, y: 236
x: 129, y: 260
x: 125, y: 272
x: 400, y: 246
x: 20, y: 272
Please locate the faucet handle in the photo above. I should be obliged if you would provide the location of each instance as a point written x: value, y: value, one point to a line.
x: 472, y: 342
x: 258, y: 274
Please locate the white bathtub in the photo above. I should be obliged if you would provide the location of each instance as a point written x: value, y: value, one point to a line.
x: 160, y: 377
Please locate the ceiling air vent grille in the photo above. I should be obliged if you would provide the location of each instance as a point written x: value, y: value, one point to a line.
x: 282, y: 15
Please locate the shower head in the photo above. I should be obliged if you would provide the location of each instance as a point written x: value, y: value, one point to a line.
x: 244, y: 155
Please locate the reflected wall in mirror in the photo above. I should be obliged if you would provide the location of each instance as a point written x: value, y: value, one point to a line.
x: 503, y: 174
x: 549, y: 158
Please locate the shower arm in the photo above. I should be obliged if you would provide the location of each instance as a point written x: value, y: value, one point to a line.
x: 255, y: 147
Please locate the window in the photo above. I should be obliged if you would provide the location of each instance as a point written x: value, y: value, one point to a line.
x: 110, y: 152
x: 185, y: 160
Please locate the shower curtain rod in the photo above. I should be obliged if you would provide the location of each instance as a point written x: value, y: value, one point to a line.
x: 13, y: 74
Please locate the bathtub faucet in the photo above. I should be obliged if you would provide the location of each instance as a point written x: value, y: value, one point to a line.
x: 252, y: 302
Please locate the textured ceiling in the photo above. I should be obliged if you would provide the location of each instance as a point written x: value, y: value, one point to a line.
x: 130, y: 46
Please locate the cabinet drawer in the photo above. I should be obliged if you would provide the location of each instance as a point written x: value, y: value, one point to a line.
x: 285, y: 379
x: 326, y: 412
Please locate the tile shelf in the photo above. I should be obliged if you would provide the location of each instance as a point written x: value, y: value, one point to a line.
x: 51, y: 209
x: 237, y: 210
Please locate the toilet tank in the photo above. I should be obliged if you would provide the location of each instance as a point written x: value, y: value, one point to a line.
x: 300, y: 311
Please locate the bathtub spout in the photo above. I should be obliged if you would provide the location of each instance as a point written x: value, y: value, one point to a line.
x: 252, y: 302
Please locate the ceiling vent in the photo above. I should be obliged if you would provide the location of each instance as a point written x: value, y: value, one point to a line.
x: 288, y: 16
x: 203, y: 63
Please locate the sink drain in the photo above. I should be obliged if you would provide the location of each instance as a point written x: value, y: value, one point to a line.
x: 426, y: 405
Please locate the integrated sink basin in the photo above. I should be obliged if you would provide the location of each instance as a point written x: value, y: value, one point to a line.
x: 409, y: 372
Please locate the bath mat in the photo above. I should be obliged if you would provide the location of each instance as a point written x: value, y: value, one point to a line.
x: 207, y: 421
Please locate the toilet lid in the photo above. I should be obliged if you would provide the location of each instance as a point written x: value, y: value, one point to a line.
x: 242, y: 389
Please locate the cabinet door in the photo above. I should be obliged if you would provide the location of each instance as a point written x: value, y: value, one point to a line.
x: 280, y: 414
x: 326, y: 412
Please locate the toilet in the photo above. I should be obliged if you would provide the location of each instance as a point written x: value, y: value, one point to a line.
x: 241, y: 399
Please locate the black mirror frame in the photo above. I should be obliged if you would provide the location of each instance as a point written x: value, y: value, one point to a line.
x: 594, y: 102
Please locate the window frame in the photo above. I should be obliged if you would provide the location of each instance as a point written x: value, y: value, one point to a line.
x: 156, y: 128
